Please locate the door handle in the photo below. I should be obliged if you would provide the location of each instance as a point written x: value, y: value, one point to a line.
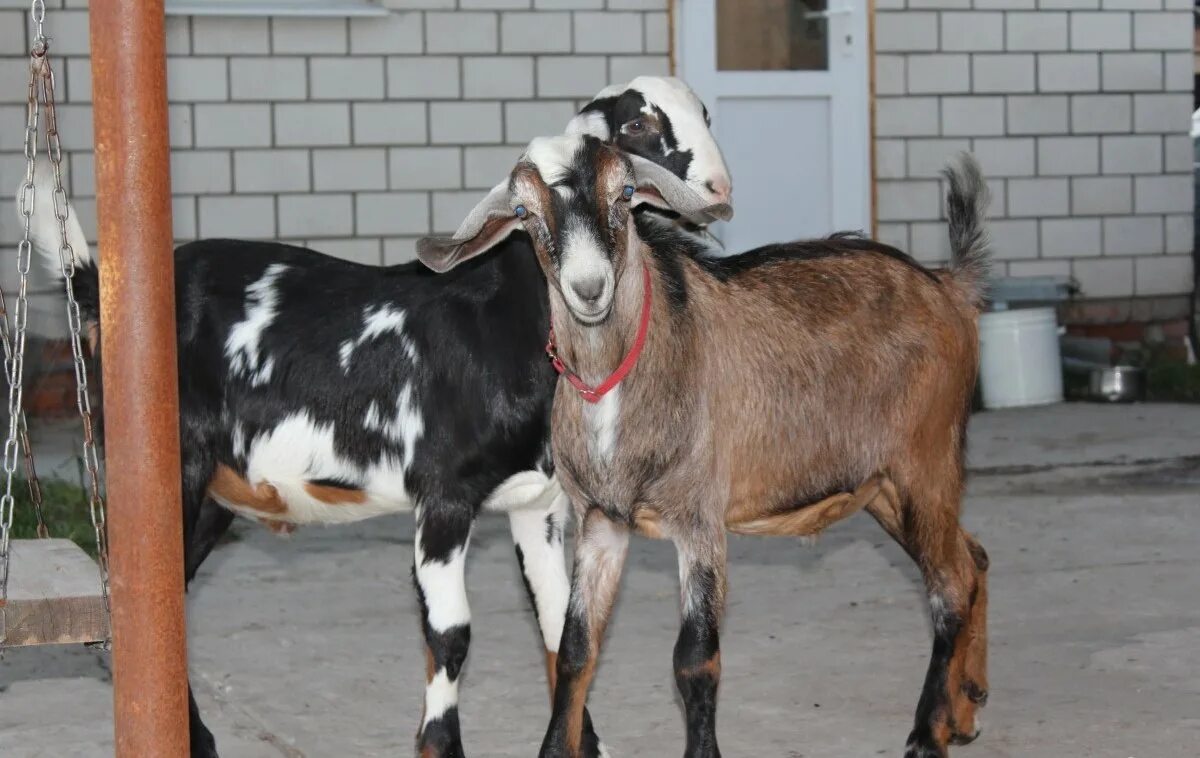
x: 829, y: 13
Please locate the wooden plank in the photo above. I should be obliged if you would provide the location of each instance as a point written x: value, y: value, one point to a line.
x: 53, y: 595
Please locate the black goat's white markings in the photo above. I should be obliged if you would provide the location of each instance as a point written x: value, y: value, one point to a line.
x: 238, y: 442
x: 243, y: 346
x: 300, y: 450
x: 378, y: 321
x: 322, y: 391
x: 403, y: 426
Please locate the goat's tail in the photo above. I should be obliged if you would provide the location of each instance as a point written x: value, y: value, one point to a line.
x: 46, y: 237
x: 966, y: 207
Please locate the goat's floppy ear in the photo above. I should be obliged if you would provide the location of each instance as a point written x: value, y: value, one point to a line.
x: 659, y: 187
x: 486, y: 226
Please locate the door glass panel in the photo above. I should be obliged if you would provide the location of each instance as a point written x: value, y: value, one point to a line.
x: 776, y: 149
x: 771, y: 35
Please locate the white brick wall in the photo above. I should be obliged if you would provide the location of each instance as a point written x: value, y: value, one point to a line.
x: 1078, y: 111
x: 357, y: 136
x: 354, y: 136
x: 1013, y: 72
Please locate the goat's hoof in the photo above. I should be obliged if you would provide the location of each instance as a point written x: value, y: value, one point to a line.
x: 591, y: 746
x: 976, y: 694
x: 438, y: 741
x: 428, y: 750
x: 925, y: 751
x: 204, y: 747
x: 922, y: 748
x: 965, y: 739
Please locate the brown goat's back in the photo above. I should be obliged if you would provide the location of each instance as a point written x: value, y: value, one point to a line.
x: 861, y: 362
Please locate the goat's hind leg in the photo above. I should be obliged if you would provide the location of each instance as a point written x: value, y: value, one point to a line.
x: 965, y: 609
x: 439, y: 562
x: 954, y: 567
x: 971, y: 693
x: 537, y: 533
x: 203, y: 527
x: 204, y: 522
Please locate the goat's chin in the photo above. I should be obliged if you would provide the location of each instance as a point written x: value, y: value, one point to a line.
x: 590, y: 318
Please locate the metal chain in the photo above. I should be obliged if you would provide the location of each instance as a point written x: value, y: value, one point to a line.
x: 32, y: 481
x: 37, y: 12
x: 31, y: 475
x: 14, y: 359
x: 67, y: 263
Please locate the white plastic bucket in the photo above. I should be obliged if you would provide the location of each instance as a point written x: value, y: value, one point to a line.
x: 1019, y: 360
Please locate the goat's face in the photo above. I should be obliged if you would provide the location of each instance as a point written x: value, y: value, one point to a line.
x: 661, y: 119
x: 573, y: 195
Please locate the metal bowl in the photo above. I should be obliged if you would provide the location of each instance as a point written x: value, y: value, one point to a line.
x: 1117, y: 384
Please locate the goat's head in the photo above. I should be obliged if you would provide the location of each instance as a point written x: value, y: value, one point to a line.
x: 573, y: 194
x: 661, y: 119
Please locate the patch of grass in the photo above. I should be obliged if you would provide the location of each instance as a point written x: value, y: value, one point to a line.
x: 1169, y: 379
x: 65, y: 508
x: 1173, y: 382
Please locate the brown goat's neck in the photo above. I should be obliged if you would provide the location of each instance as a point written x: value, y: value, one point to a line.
x: 594, y: 352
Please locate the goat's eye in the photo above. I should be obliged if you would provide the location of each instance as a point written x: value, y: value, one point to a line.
x: 637, y: 126
x: 627, y: 192
x: 520, y: 211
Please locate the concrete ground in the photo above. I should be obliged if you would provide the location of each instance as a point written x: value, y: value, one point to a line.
x: 1091, y: 514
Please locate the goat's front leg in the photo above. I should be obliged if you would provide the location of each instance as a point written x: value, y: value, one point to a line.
x: 439, y: 562
x: 698, y: 649
x: 599, y: 558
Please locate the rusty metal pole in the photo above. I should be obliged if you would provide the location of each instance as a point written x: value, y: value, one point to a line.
x: 141, y: 391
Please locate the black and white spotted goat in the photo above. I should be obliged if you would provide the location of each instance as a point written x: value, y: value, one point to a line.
x: 316, y: 391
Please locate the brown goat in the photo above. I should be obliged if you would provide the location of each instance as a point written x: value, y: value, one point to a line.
x: 777, y: 392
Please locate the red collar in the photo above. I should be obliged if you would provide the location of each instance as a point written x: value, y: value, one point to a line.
x: 593, y: 395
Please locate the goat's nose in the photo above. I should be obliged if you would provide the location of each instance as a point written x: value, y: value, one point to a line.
x: 721, y: 188
x: 590, y: 289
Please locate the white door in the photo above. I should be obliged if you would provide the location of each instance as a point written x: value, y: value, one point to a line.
x: 786, y: 84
